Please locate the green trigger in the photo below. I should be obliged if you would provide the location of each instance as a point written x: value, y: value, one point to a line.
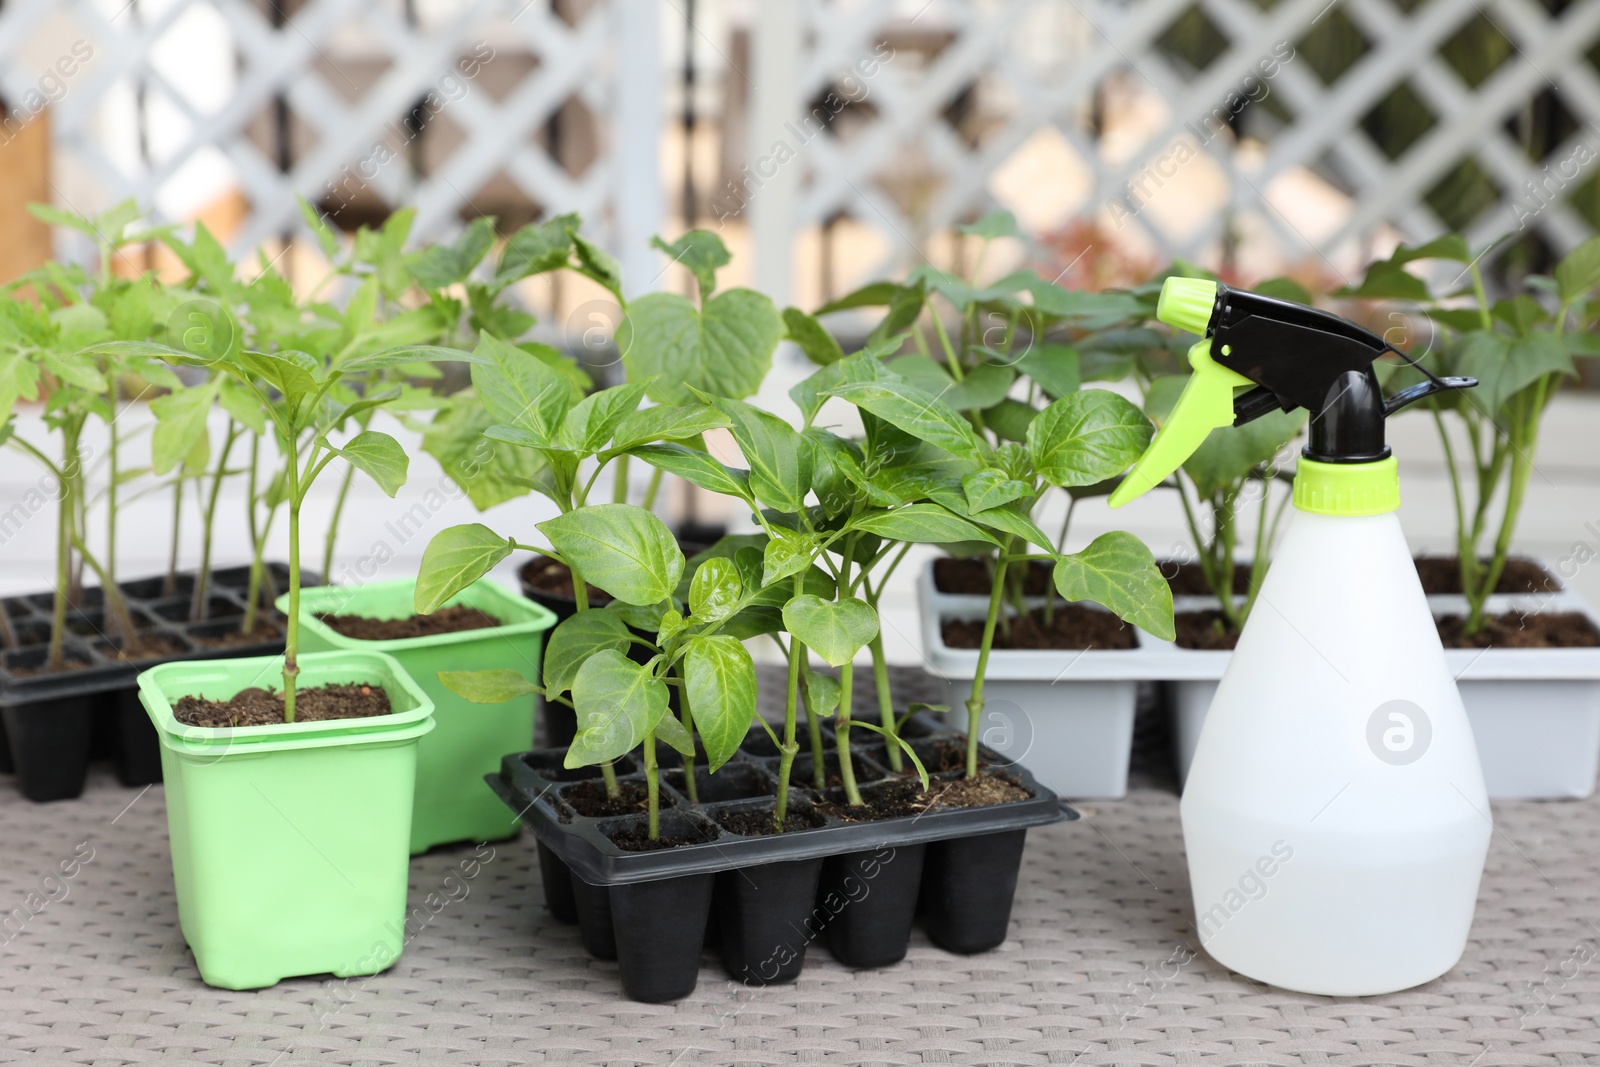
x: 1205, y: 405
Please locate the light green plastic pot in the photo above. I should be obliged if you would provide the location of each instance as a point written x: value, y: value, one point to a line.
x: 290, y: 843
x: 453, y: 804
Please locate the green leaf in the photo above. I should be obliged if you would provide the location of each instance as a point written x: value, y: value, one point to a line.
x: 1118, y: 571
x: 983, y: 386
x: 720, y: 686
x: 666, y: 423
x: 241, y: 404
x: 378, y: 456
x: 1388, y: 280
x: 1010, y: 419
x: 990, y: 488
x: 597, y: 264
x: 1162, y: 397
x: 724, y: 348
x: 715, y: 590
x: 617, y: 702
x: 922, y: 524
x: 520, y: 389
x: 489, y: 471
x: 671, y: 625
x: 702, y: 252
x: 1284, y: 289
x: 294, y: 374
x: 453, y: 560
x: 1229, y: 454
x: 494, y: 686
x: 1579, y: 271
x: 809, y: 394
x: 916, y: 413
x: 994, y: 224
x: 823, y: 693
x: 815, y: 341
x: 588, y: 426
x: 698, y: 468
x: 19, y: 380
x: 1011, y: 519
x: 439, y: 265
x: 407, y: 354
x: 1087, y: 437
x: 901, y: 743
x: 780, y: 462
x: 671, y: 732
x: 319, y: 227
x: 876, y: 294
x: 620, y: 548
x: 1504, y: 367
x: 787, y: 553
x: 576, y: 640
x: 180, y: 423
x: 1053, y: 366
x: 537, y: 248
x: 834, y: 629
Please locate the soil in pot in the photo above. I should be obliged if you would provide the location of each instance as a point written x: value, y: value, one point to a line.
x: 455, y: 619
x: 1189, y: 579
x: 229, y: 635
x: 758, y: 822
x: 142, y: 648
x: 1070, y: 626
x: 1204, y: 630
x: 552, y: 578
x: 973, y: 577
x: 992, y: 787
x: 1522, y: 629
x: 1442, y: 574
x: 589, y: 798
x: 263, y: 707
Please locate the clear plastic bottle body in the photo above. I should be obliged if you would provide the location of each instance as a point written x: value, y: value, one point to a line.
x: 1335, y: 816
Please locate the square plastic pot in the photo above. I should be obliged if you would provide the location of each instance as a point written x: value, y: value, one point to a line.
x: 1535, y: 712
x: 290, y: 843
x: 1068, y: 713
x: 468, y: 739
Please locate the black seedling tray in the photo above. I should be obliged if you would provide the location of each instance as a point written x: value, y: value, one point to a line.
x: 856, y: 885
x: 55, y: 722
x: 531, y: 783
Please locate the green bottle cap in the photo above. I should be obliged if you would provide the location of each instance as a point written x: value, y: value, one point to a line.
x: 1186, y: 304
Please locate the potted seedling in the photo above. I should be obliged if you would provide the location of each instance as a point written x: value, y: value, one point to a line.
x: 275, y: 743
x: 1522, y: 645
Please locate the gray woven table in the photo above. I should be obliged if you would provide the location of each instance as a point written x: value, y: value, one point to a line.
x: 1102, y: 967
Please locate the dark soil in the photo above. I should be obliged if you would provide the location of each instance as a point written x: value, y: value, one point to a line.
x: 1518, y: 629
x: 973, y: 577
x: 1187, y: 579
x: 979, y: 792
x: 1073, y: 627
x: 264, y: 631
x: 637, y: 839
x: 444, y: 621
x: 69, y: 662
x: 589, y: 799
x: 1204, y: 630
x: 262, y: 707
x: 758, y: 823
x: 893, y: 800
x: 1442, y: 574
x: 552, y: 578
x: 144, y: 647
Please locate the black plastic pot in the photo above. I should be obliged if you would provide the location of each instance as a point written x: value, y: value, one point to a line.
x: 855, y: 882
x: 556, y: 877
x: 766, y: 918
x: 968, y: 884
x: 56, y: 722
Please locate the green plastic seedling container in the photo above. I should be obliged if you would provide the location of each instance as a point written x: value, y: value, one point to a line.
x: 469, y: 739
x: 290, y: 843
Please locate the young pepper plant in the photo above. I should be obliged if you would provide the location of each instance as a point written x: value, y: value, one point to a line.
x: 1521, y: 349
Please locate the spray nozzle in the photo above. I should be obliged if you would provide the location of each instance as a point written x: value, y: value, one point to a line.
x: 1284, y: 356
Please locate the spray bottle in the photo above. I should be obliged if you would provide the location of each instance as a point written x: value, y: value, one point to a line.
x: 1334, y: 817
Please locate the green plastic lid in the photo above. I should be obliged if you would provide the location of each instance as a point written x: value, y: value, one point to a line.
x: 1347, y: 488
x: 1186, y: 303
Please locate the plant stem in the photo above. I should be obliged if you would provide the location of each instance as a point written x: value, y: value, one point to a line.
x: 333, y: 524
x: 653, y: 488
x: 652, y: 784
x: 880, y: 677
x: 202, y: 579
x: 790, y: 746
x: 111, y: 492
x: 257, y: 542
x: 608, y: 774
x: 847, y: 771
x: 291, y: 644
x: 170, y: 585
x: 619, y: 474
x: 1521, y: 468
x: 55, y: 659
x: 690, y: 787
x: 975, y: 701
x: 819, y: 769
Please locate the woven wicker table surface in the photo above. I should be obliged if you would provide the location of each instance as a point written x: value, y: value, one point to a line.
x: 1102, y: 966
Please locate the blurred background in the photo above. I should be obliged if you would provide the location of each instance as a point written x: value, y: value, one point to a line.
x: 832, y: 141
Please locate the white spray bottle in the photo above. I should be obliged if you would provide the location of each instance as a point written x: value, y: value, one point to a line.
x: 1334, y: 816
